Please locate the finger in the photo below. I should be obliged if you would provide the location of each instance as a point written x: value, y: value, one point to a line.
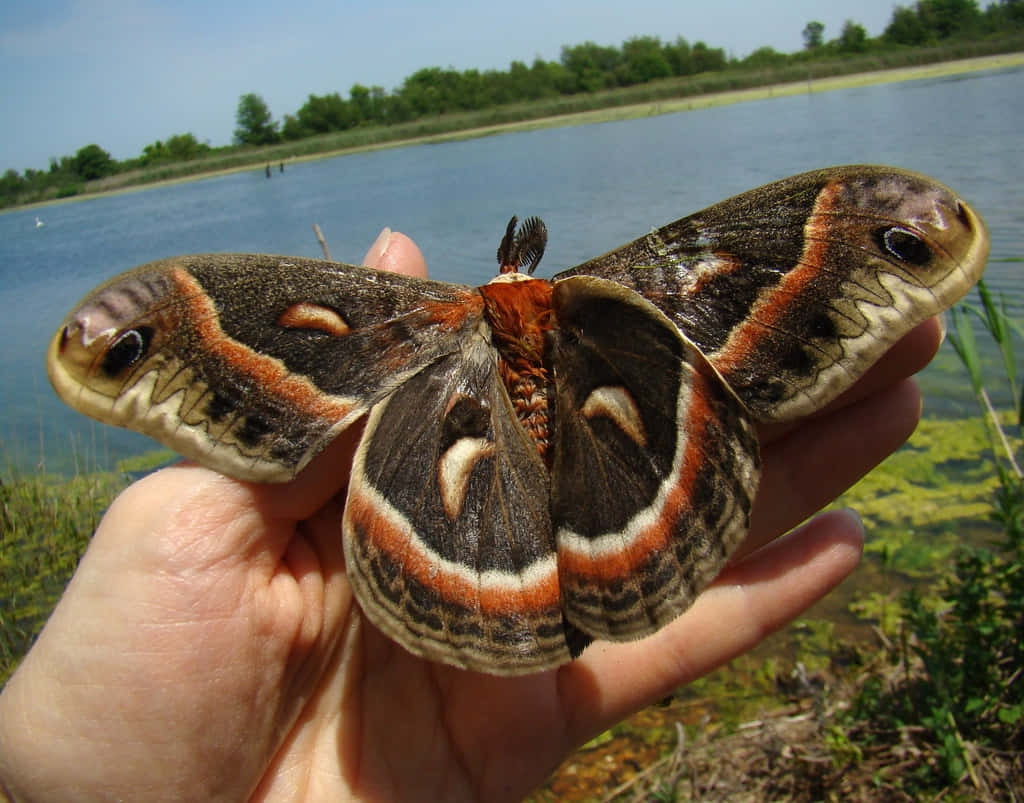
x: 327, y: 475
x: 813, y: 464
x: 907, y: 356
x: 392, y: 251
x: 810, y: 462
x: 748, y: 602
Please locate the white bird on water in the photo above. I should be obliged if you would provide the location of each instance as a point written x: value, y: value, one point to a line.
x: 39, y: 223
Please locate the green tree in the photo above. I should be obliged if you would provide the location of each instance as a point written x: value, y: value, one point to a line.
x: 429, y: 91
x: 180, y: 147
x: 154, y: 152
x: 378, y: 104
x: 515, y: 84
x: 92, y: 162
x: 679, y: 57
x: 398, y: 109
x: 256, y: 126
x: 1003, y: 16
x: 706, y: 59
x: 766, y: 56
x: 11, y: 184
x: 643, y: 60
x: 1011, y: 11
x: 946, y: 18
x: 323, y: 113
x: 473, y: 90
x: 364, y: 103
x: 291, y: 129
x: 814, y: 35
x: 853, y: 39
x: 549, y: 78
x: 933, y: 19
x: 186, y: 146
x: 593, y: 66
x: 906, y: 28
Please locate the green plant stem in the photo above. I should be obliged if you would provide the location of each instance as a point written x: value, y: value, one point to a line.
x: 994, y: 419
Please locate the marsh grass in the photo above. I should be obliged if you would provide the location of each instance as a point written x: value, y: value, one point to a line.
x: 45, y: 525
x: 955, y: 701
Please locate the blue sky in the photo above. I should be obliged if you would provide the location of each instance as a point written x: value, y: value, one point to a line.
x: 124, y: 73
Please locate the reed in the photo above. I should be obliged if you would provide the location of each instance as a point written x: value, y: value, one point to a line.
x: 45, y: 525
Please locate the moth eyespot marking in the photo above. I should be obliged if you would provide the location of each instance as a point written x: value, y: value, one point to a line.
x: 454, y: 469
x: 904, y: 245
x: 306, y: 315
x: 616, y: 403
x: 129, y: 347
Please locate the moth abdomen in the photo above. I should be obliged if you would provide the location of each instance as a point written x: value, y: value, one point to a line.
x: 519, y: 314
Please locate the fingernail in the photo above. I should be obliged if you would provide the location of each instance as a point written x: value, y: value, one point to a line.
x: 854, y: 514
x: 380, y: 245
x: 943, y: 325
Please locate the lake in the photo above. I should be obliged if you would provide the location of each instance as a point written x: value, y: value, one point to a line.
x: 596, y: 186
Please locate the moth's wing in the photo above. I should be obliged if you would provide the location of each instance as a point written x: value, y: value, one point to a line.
x: 251, y: 364
x: 655, y: 462
x: 794, y: 289
x: 447, y: 532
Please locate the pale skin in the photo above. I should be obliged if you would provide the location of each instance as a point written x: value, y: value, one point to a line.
x: 209, y: 647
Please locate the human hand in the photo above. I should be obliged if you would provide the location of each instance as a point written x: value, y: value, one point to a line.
x: 209, y: 647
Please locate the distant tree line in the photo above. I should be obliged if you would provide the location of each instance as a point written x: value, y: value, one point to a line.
x: 590, y: 67
x: 434, y: 90
x: 68, y: 174
x: 583, y: 68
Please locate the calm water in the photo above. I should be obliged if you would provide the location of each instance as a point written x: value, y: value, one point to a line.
x: 596, y: 187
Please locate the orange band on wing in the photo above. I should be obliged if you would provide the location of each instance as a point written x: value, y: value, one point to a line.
x: 266, y: 372
x: 774, y: 303
x: 663, y: 531
x: 518, y: 594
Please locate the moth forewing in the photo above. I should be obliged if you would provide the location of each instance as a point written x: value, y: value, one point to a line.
x: 792, y: 290
x: 250, y: 364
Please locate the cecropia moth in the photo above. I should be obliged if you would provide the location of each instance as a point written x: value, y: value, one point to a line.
x: 545, y: 462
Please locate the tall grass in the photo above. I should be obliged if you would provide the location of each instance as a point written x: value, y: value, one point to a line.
x: 45, y: 525
x: 951, y: 709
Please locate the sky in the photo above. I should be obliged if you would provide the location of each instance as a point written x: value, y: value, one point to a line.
x: 125, y: 73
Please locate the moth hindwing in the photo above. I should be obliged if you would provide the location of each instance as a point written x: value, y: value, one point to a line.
x: 545, y: 462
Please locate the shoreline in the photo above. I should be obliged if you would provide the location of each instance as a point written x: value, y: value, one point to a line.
x: 605, y: 115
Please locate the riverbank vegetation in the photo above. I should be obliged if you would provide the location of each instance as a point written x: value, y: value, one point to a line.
x: 435, y: 101
x: 45, y: 525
